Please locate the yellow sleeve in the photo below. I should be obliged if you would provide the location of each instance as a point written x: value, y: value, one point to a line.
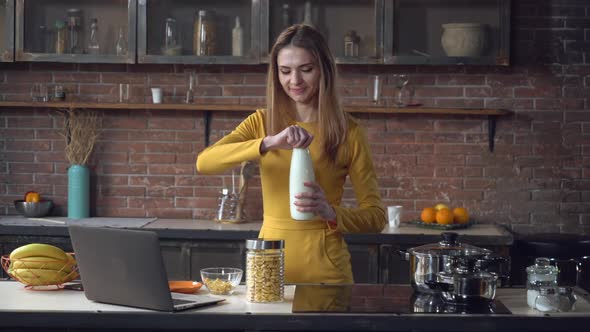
x: 370, y: 216
x: 242, y: 144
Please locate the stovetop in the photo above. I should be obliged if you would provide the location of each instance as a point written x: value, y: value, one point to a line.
x: 379, y: 298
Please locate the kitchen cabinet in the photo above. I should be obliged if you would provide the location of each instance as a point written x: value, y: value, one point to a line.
x: 185, y: 259
x: 341, y: 22
x: 405, y: 32
x: 447, y: 32
x: 169, y: 31
x: 62, y: 31
x: 6, y: 30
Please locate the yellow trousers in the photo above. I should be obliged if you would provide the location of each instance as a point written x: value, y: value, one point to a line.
x: 313, y: 252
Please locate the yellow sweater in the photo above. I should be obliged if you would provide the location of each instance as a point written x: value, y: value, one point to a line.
x: 244, y: 144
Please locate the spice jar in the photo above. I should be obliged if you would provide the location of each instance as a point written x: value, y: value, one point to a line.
x: 541, y: 275
x: 265, y: 270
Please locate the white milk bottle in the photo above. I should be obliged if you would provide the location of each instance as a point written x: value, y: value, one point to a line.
x: 301, y: 171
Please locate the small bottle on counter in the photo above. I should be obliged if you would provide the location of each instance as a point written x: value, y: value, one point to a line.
x: 265, y: 270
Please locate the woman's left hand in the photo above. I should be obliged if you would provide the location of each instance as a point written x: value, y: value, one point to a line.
x: 315, y: 201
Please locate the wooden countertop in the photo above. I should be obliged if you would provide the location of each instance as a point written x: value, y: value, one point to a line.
x: 70, y: 309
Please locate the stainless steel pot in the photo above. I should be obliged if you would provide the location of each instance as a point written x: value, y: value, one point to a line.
x: 466, y: 286
x: 427, y: 261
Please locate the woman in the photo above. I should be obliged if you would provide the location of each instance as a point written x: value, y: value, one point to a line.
x: 302, y: 111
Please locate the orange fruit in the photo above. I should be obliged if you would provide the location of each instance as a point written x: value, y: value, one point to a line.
x: 32, y: 196
x: 428, y: 215
x: 440, y: 206
x: 460, y: 215
x: 444, y: 216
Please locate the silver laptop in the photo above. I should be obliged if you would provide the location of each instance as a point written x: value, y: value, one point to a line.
x: 125, y: 267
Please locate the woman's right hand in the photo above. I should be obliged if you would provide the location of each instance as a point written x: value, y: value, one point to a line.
x: 289, y: 138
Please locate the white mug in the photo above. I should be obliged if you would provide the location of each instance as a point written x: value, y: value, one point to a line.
x: 394, y: 214
x: 157, y: 95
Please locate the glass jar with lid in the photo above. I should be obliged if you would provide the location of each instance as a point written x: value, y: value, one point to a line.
x: 541, y: 275
x: 204, y: 33
x: 265, y: 270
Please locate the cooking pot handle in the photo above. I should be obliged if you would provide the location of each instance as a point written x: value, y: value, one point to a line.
x: 404, y: 254
x: 439, y: 286
x: 449, y: 238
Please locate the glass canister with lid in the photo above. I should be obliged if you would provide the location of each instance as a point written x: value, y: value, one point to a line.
x: 540, y: 275
x: 265, y: 270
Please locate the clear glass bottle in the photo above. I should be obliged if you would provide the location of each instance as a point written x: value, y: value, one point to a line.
x: 307, y: 16
x: 265, y: 270
x: 60, y: 37
x: 121, y: 44
x: 541, y: 275
x: 93, y: 45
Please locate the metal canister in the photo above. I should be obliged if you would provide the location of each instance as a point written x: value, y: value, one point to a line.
x: 265, y: 270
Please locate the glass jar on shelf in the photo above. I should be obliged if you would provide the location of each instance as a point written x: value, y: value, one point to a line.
x: 204, y: 33
x: 93, y: 45
x: 74, y: 26
x: 60, y: 37
x: 171, y: 42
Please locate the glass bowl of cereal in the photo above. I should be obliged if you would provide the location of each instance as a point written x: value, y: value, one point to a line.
x: 221, y: 280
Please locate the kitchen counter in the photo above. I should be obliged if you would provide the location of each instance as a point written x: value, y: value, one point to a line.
x: 478, y: 234
x: 21, y: 309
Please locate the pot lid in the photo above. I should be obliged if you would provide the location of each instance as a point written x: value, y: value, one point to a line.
x: 449, y: 246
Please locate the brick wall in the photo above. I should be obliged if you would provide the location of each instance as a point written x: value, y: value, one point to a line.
x: 537, y: 179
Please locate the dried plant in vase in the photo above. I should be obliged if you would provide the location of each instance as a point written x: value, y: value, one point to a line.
x: 80, y: 131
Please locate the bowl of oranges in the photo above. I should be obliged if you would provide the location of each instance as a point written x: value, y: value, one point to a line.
x: 33, y: 206
x: 441, y: 216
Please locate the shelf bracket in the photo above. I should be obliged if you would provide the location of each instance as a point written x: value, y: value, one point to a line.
x: 491, y: 131
x: 207, y: 124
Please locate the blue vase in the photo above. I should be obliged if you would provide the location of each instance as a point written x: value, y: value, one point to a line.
x: 78, y: 192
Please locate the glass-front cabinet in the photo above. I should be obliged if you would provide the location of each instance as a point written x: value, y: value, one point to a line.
x: 447, y: 32
x: 199, y: 31
x: 78, y: 31
x: 352, y: 28
x: 6, y: 30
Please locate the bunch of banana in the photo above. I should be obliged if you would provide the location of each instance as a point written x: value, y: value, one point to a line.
x: 42, y: 264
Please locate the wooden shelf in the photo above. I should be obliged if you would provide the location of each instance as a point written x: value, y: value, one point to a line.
x: 492, y: 114
x: 246, y: 108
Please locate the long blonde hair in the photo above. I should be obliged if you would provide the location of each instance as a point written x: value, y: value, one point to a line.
x: 331, y: 117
